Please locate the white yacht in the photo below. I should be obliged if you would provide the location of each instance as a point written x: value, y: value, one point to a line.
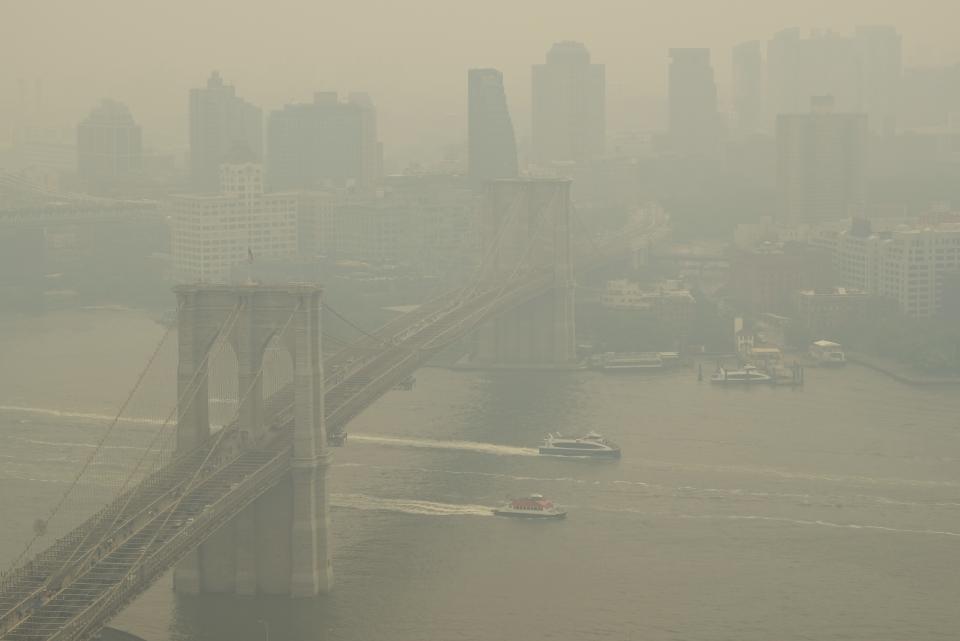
x: 827, y: 353
x: 749, y: 374
x: 591, y: 445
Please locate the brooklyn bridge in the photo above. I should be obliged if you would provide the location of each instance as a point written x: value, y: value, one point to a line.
x: 243, y: 507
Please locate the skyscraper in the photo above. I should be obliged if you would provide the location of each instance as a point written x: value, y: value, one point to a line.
x: 694, y: 120
x: 799, y: 69
x: 492, y: 148
x: 220, y: 122
x: 748, y: 86
x: 569, y: 105
x: 322, y: 143
x: 108, y: 146
x: 820, y: 164
x: 881, y: 68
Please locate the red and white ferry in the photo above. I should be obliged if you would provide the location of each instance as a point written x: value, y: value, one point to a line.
x: 534, y: 506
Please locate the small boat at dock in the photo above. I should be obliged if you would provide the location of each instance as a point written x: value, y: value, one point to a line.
x: 744, y: 376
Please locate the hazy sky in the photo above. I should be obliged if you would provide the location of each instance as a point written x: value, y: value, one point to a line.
x: 411, y: 55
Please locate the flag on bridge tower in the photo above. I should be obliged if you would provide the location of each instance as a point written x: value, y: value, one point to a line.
x: 250, y: 254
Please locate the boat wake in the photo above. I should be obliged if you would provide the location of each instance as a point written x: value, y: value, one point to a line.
x: 789, y: 474
x: 33, y: 441
x: 86, y: 416
x: 778, y: 519
x: 407, y: 506
x: 819, y: 523
x: 491, y: 475
x: 681, y: 491
x: 464, y: 446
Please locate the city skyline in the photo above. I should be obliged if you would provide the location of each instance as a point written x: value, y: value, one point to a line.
x: 309, y: 312
x: 636, y: 77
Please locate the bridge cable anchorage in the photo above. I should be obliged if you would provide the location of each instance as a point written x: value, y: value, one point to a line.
x: 99, y: 446
x: 124, y: 535
x: 95, y: 524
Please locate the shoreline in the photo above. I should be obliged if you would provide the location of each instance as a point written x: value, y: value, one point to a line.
x: 897, y: 372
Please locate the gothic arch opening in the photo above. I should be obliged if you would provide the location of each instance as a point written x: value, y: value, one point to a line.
x: 222, y: 385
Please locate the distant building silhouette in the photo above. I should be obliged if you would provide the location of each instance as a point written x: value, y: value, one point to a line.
x: 327, y: 142
x: 862, y: 72
x: 748, y: 86
x: 930, y: 97
x: 492, y: 147
x: 820, y: 164
x: 694, y: 119
x: 881, y: 68
x: 824, y: 64
x: 569, y: 106
x: 109, y: 147
x: 220, y: 121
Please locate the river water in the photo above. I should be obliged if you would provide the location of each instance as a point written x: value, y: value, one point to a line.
x: 829, y: 512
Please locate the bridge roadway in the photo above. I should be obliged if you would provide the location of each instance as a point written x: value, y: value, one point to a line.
x: 71, y: 589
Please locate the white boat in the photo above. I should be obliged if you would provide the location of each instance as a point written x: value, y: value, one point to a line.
x: 534, y: 506
x: 749, y: 374
x: 591, y: 445
x: 827, y: 354
x: 630, y: 361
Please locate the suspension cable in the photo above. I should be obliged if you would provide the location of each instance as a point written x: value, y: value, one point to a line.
x: 213, y: 448
x: 99, y: 446
x: 191, y: 390
x: 355, y: 326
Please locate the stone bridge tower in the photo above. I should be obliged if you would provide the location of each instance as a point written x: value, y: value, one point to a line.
x: 525, y: 228
x: 279, y: 544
